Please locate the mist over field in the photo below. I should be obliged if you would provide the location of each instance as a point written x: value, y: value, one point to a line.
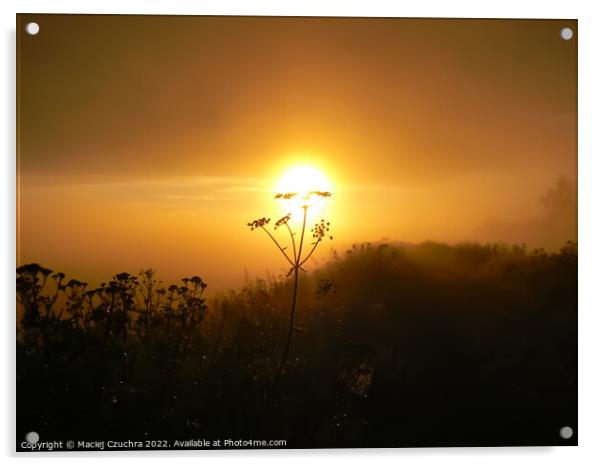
x: 92, y: 237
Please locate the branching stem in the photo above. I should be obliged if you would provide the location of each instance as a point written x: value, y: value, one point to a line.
x: 279, y: 247
x: 310, y: 253
x: 292, y: 240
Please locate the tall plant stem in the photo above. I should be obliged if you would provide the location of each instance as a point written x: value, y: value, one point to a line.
x: 292, y: 240
x: 289, y: 336
x: 291, y: 327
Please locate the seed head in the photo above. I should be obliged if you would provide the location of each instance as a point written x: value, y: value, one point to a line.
x: 260, y: 222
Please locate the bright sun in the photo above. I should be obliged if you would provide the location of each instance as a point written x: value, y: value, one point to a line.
x: 302, y: 179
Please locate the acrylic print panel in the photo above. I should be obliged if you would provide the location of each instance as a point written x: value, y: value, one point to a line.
x: 270, y: 232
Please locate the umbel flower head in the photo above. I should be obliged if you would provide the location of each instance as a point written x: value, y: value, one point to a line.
x: 305, y: 200
x: 320, y: 230
x: 283, y: 221
x: 307, y: 195
x: 260, y: 222
x: 285, y: 195
x: 319, y: 193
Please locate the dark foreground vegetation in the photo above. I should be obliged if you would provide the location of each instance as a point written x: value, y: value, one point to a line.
x: 427, y: 345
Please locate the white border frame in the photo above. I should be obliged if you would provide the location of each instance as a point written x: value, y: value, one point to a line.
x: 590, y: 231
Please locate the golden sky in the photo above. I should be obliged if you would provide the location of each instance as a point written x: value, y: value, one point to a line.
x: 150, y: 141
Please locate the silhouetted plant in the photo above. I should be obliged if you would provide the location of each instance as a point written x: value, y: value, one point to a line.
x: 125, y: 306
x: 40, y: 316
x: 297, y: 259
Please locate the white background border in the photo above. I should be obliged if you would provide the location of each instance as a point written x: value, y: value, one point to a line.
x: 590, y: 231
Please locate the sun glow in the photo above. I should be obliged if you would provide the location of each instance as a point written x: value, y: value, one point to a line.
x: 302, y: 180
